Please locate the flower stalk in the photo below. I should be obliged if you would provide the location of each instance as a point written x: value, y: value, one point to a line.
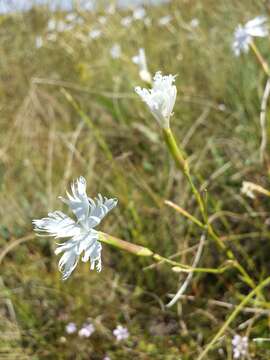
x: 181, y: 162
x: 260, y: 58
x: 124, y: 245
x: 139, y: 250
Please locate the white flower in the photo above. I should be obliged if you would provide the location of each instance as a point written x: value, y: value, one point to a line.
x: 62, y: 26
x: 126, y: 21
x: 240, y: 346
x: 71, y: 17
x: 80, y: 235
x: 106, y: 358
x: 147, y: 21
x: 161, y: 98
x: 139, y: 13
x: 51, y: 25
x: 39, y: 42
x: 165, y: 20
x: 115, y: 51
x: 256, y: 27
x: 102, y: 20
x: 248, y: 189
x: 87, y: 330
x: 110, y: 9
x: 221, y: 107
x: 140, y: 60
x: 121, y: 333
x: 71, y: 328
x: 194, y: 23
x: 95, y: 33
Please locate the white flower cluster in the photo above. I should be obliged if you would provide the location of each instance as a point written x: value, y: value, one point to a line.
x: 86, y: 331
x: 240, y: 346
x: 80, y: 233
x: 121, y: 333
x: 161, y: 98
x: 243, y: 35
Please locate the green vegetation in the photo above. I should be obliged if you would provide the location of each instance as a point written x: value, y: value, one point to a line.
x: 69, y: 109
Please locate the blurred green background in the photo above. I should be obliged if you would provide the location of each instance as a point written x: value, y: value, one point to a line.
x: 49, y: 62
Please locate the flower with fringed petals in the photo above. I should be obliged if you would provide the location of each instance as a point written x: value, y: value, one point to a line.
x: 243, y: 35
x: 81, y: 236
x: 161, y: 98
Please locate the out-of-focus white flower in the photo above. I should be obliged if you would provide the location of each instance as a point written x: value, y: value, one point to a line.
x: 147, y: 21
x: 194, y: 23
x: 80, y: 233
x: 161, y: 98
x: 165, y: 20
x: 126, y: 21
x: 222, y: 107
x: 62, y: 26
x: 39, y: 42
x: 139, y: 13
x: 240, y: 346
x: 102, y: 20
x: 116, y: 51
x: 140, y: 60
x: 51, y: 25
x: 87, y: 330
x: 106, y: 358
x: 88, y: 6
x: 71, y: 17
x: 248, y: 189
x: 71, y: 328
x: 95, y: 33
x: 256, y: 27
x: 110, y: 9
x: 121, y: 333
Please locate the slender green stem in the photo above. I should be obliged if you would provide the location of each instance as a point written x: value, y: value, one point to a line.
x: 124, y: 245
x: 233, y: 315
x: 175, y: 151
x: 260, y: 58
x: 185, y: 213
x: 181, y: 162
x: 145, y: 252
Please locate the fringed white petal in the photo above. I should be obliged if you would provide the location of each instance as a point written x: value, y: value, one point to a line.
x: 82, y: 239
x: 257, y: 26
x: 68, y: 263
x: 161, y: 98
x: 78, y: 201
x: 57, y: 224
x: 72, y: 250
x: 99, y: 208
